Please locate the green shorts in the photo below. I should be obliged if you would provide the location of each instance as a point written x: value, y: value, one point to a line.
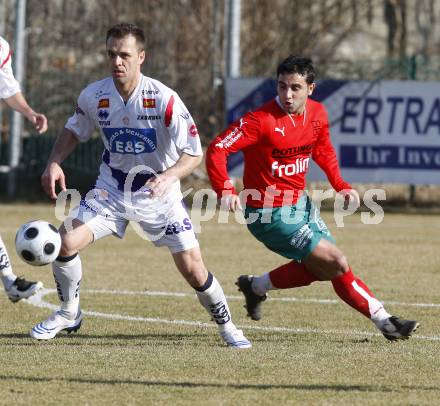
x: 291, y: 231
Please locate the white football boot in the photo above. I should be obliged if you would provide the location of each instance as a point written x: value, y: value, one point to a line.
x: 235, y: 339
x: 50, y: 327
x: 22, y: 289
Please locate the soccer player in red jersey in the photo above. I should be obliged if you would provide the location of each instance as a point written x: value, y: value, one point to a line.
x: 278, y: 140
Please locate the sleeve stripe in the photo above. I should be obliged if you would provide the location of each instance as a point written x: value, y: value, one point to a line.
x: 169, y: 111
x: 6, y: 60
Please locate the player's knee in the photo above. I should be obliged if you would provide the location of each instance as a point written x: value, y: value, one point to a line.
x: 190, y: 264
x: 68, y: 244
x: 196, y: 266
x: 339, y: 262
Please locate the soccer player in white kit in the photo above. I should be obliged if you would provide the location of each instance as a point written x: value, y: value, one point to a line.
x: 16, y: 288
x: 150, y: 142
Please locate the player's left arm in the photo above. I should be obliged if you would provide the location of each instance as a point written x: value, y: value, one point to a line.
x: 19, y: 104
x: 324, y: 155
x: 185, y: 137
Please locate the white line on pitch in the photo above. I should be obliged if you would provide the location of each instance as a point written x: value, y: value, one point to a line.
x: 231, y: 297
x: 38, y: 301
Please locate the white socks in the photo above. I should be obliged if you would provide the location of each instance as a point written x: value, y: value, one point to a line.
x: 213, y: 299
x: 6, y: 274
x: 68, y: 273
x: 262, y: 284
x: 378, y: 314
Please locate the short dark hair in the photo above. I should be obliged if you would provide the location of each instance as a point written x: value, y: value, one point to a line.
x: 124, y: 29
x: 297, y: 64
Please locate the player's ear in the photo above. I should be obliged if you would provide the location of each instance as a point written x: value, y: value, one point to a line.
x: 142, y: 57
x: 311, y: 88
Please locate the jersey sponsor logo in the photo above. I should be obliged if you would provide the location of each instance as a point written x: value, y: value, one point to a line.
x: 185, y: 116
x: 193, y: 132
x: 230, y: 139
x: 131, y: 140
x: 103, y: 116
x: 299, y: 166
x: 149, y: 92
x: 302, y: 237
x: 292, y: 151
x: 150, y: 118
x: 104, y: 104
x: 177, y: 227
x: 101, y: 93
x: 149, y: 103
x: 280, y: 130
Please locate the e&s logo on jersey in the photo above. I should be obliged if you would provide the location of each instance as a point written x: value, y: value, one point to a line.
x: 130, y: 140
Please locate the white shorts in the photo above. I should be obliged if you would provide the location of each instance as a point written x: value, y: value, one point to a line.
x: 163, y: 221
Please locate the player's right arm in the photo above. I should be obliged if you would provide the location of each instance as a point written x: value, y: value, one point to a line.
x: 53, y: 174
x: 240, y: 134
x: 78, y: 129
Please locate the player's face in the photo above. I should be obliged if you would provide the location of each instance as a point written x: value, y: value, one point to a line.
x: 125, y: 59
x: 293, y: 91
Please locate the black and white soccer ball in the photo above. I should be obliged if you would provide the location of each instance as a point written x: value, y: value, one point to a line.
x: 38, y: 242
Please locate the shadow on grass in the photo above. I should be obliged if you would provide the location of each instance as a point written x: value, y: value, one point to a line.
x: 187, y: 384
x: 76, y: 339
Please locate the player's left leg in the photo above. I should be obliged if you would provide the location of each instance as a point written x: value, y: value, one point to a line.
x: 327, y: 262
x: 288, y: 233
x: 210, y: 295
x: 16, y: 288
x: 174, y: 230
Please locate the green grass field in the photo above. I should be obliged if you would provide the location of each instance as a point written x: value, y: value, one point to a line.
x: 143, y: 344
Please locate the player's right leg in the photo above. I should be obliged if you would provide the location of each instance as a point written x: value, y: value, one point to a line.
x: 210, y: 295
x: 285, y: 231
x: 67, y: 272
x: 174, y: 230
x: 87, y: 226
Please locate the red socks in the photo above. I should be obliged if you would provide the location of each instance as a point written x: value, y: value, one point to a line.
x: 349, y: 288
x: 291, y: 275
x: 353, y: 292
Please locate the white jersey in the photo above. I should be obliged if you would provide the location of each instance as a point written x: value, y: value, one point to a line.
x: 152, y: 129
x: 8, y: 85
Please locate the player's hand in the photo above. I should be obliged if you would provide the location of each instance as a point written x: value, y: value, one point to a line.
x: 231, y: 202
x: 351, y: 198
x: 39, y: 121
x: 160, y: 184
x: 52, y: 175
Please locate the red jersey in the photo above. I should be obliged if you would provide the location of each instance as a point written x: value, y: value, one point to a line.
x: 277, y: 148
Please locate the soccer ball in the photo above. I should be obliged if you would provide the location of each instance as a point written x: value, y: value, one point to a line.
x: 38, y: 243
